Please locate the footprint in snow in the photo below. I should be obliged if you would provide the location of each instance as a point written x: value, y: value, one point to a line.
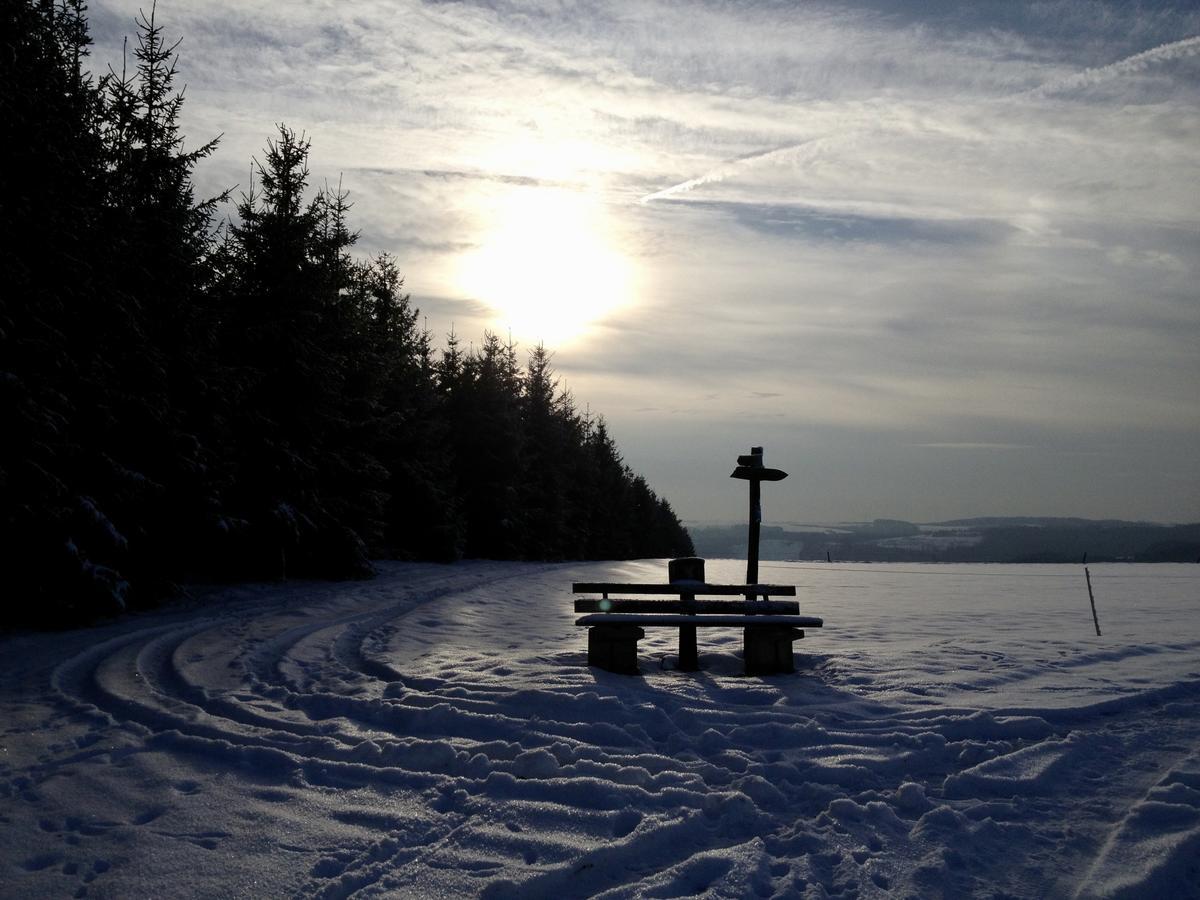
x: 99, y: 867
x: 145, y: 818
x: 207, y: 840
x: 625, y: 822
x: 270, y: 796
x: 328, y: 867
x: 41, y: 861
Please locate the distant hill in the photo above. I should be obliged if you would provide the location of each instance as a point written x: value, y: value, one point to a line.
x: 1040, y: 521
x: 1015, y: 539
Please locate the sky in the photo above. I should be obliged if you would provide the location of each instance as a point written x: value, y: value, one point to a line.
x: 939, y: 259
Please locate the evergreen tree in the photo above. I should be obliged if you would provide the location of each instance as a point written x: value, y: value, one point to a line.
x: 49, y: 182
x: 408, y: 436
x: 264, y: 404
x: 87, y: 358
x: 551, y: 437
x: 286, y: 324
x: 160, y: 353
x: 487, y: 444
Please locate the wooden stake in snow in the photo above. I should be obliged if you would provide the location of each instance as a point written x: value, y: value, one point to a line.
x: 1091, y: 597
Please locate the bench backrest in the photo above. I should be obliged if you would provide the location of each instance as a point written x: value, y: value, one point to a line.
x: 681, y: 588
x: 726, y: 607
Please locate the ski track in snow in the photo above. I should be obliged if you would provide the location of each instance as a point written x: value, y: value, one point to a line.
x: 436, y: 733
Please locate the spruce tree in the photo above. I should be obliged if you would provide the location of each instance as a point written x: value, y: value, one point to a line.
x: 176, y: 406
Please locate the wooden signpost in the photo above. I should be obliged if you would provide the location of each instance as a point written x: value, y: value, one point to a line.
x: 750, y: 468
x: 769, y: 627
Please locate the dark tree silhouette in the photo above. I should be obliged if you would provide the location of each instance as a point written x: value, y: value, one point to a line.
x: 182, y: 400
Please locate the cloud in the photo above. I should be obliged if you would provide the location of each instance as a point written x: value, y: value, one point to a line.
x: 973, y: 445
x: 914, y: 223
x: 896, y: 121
x: 1138, y: 62
x: 522, y: 180
x: 839, y: 225
x: 727, y: 168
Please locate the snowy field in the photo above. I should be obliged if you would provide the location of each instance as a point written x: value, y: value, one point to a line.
x: 953, y: 731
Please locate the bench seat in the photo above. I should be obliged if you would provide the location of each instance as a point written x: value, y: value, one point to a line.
x: 725, y: 620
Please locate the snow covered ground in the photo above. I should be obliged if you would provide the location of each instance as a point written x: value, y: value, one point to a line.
x: 952, y: 731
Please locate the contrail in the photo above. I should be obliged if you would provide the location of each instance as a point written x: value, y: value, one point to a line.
x: 1129, y: 65
x: 725, y: 169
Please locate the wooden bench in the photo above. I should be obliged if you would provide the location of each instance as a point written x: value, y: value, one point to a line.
x: 615, y: 625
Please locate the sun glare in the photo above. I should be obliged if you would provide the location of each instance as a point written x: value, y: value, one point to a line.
x: 547, y: 265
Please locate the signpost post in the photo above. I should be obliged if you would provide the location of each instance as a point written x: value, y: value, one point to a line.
x: 750, y: 468
x: 766, y: 649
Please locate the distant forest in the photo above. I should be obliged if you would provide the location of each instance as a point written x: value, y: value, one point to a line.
x: 188, y: 399
x: 994, y: 540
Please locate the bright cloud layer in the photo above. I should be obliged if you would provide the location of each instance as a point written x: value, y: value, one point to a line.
x: 941, y: 261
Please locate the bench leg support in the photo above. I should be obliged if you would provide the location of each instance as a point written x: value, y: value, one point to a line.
x: 767, y: 649
x: 689, y: 659
x: 614, y: 648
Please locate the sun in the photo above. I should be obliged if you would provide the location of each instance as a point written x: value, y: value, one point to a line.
x: 547, y: 266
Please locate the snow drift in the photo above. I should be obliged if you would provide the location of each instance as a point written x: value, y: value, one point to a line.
x: 953, y: 731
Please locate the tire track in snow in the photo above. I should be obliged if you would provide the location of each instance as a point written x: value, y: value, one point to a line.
x: 446, y: 763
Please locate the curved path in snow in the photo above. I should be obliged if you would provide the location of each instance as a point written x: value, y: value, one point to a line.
x: 436, y: 732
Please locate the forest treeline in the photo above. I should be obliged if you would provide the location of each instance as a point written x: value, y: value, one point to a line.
x: 1011, y: 539
x: 186, y: 399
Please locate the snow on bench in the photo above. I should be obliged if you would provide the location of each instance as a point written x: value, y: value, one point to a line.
x: 615, y: 625
x: 700, y: 621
